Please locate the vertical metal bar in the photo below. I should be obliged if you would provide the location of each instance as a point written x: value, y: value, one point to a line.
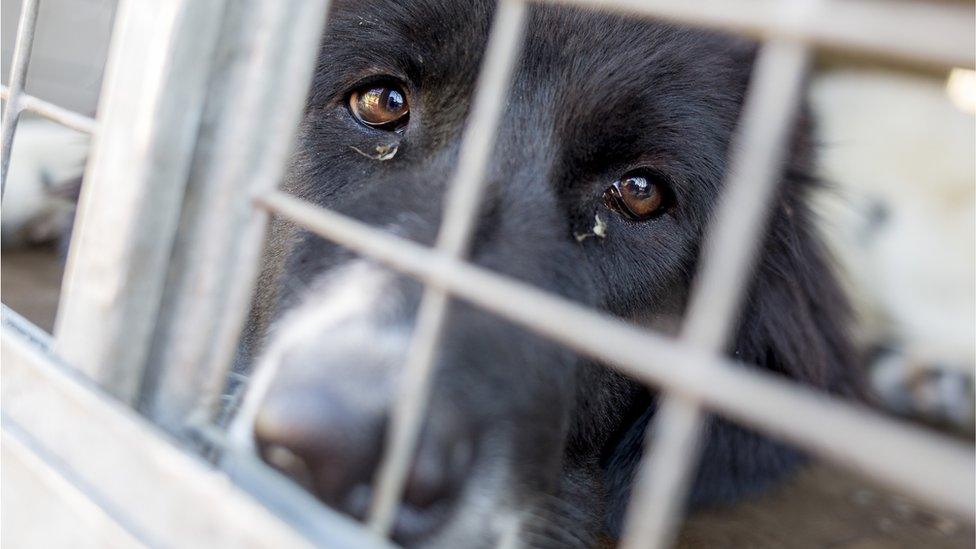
x: 18, y: 77
x: 460, y: 217
x: 730, y: 249
x: 150, y: 106
x: 671, y: 441
x: 263, y: 70
x: 737, y: 231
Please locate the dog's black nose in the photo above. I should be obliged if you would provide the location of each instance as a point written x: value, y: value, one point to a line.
x: 333, y: 447
x: 320, y: 440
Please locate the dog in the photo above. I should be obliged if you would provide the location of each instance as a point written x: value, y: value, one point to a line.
x: 605, y: 172
x: 44, y: 182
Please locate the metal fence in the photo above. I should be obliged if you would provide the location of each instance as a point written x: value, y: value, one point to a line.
x: 199, y: 102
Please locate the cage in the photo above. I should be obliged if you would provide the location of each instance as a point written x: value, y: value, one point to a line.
x: 115, y: 417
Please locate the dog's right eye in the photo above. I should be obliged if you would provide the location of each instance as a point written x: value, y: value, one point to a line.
x: 382, y: 106
x: 638, y: 196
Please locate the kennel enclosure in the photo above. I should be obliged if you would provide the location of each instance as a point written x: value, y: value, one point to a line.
x: 199, y: 104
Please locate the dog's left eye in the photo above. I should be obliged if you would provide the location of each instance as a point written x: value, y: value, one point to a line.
x: 381, y: 106
x: 638, y: 196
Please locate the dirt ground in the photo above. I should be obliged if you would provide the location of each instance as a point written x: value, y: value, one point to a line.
x: 821, y: 507
x: 29, y: 284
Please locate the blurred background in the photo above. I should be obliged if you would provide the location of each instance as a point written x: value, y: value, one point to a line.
x: 898, y: 210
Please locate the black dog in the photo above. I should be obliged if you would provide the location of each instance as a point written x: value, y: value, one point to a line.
x: 607, y: 167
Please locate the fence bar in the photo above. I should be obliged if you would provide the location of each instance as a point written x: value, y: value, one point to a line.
x: 61, y: 115
x: 453, y: 239
x: 935, y: 468
x: 939, y: 35
x: 33, y: 484
x: 263, y: 69
x: 729, y: 254
x: 737, y: 230
x: 157, y: 71
x: 154, y: 489
x: 672, y: 444
x: 18, y: 77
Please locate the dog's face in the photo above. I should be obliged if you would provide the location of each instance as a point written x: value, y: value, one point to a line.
x: 607, y: 164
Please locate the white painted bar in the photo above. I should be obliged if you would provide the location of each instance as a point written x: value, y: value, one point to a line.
x: 44, y: 508
x: 935, y: 34
x: 157, y: 72
x: 265, y: 59
x: 18, y: 77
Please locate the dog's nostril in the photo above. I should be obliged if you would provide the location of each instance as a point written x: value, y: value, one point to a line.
x: 282, y: 457
x: 437, y: 474
x: 358, y: 501
x: 287, y: 462
x: 320, y: 441
x: 425, y: 486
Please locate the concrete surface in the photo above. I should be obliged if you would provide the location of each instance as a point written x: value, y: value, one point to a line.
x: 29, y: 283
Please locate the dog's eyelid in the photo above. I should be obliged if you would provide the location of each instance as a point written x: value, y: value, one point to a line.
x: 374, y: 77
x: 662, y: 167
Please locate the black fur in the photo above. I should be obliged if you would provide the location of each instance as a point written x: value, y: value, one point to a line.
x: 594, y: 95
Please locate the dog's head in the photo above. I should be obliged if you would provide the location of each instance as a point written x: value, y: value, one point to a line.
x: 608, y: 162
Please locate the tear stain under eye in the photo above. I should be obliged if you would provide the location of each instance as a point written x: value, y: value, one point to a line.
x: 599, y: 230
x: 383, y: 152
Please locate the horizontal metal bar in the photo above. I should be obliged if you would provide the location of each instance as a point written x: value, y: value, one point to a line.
x: 938, y: 34
x: 61, y: 115
x: 168, y: 496
x: 933, y: 467
x: 18, y: 77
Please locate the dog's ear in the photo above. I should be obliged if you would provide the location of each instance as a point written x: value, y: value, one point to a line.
x: 794, y: 323
x: 796, y: 317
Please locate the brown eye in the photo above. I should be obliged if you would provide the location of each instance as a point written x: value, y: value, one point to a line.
x: 380, y: 106
x: 637, y: 197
